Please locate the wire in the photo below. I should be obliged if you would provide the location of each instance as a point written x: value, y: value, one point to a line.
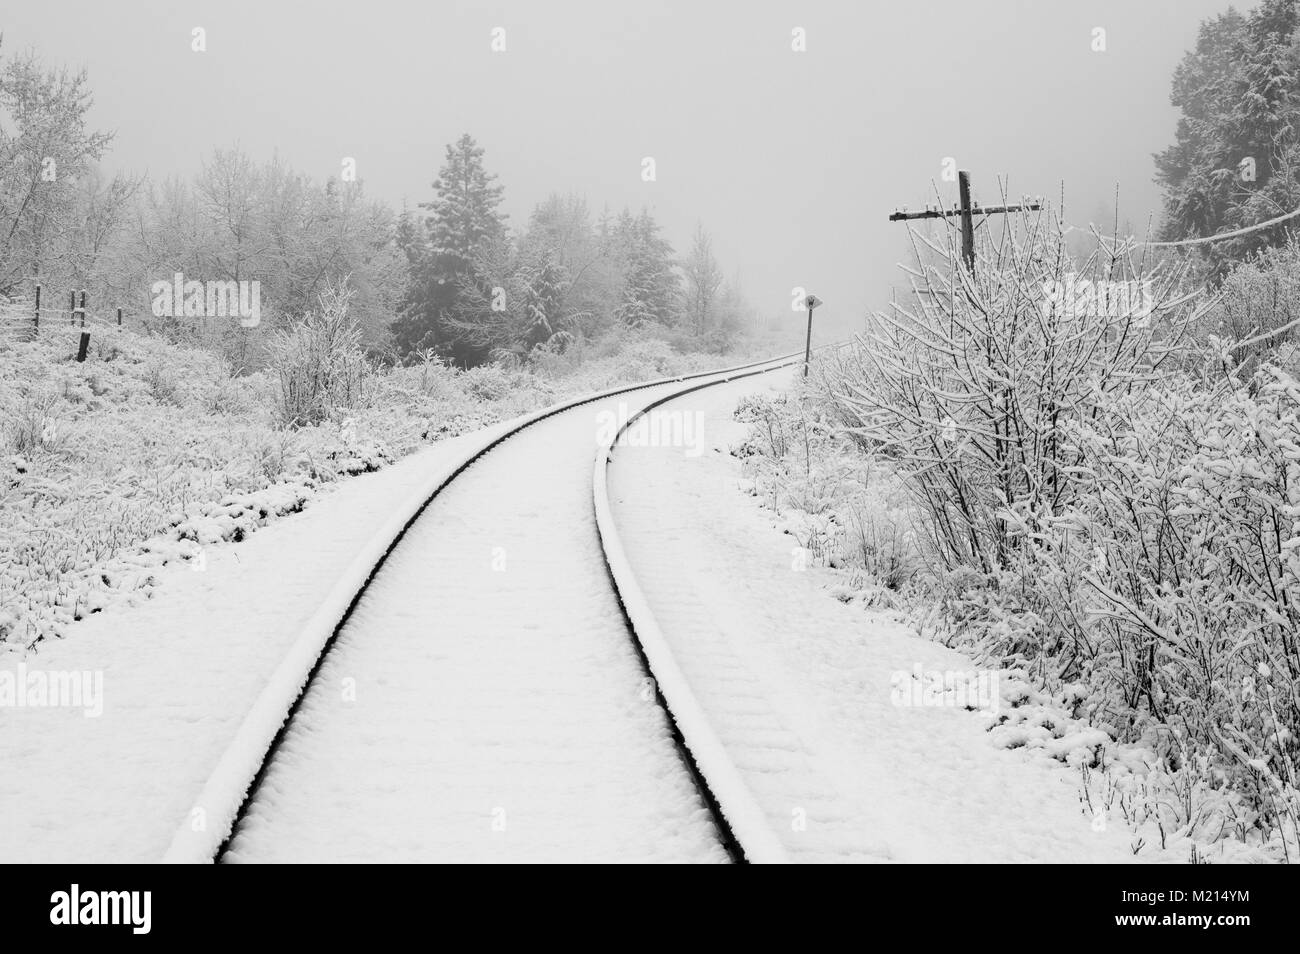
x: 1245, y: 230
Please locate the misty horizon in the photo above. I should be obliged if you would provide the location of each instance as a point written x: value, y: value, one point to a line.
x: 793, y: 160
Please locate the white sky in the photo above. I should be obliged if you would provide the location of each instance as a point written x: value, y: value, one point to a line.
x: 792, y: 160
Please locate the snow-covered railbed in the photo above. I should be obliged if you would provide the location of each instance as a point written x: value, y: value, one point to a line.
x: 800, y: 687
x: 178, y: 678
x: 484, y: 701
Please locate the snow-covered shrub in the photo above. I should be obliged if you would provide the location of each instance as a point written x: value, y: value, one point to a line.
x: 881, y: 532
x: 1104, y: 510
x: 162, y: 384
x: 1168, y: 583
x: 843, y: 510
x: 319, y: 362
x: 968, y: 384
x: 31, y: 425
x: 647, y: 359
x: 1257, y: 309
x: 226, y: 397
x: 489, y: 382
x: 1187, y: 543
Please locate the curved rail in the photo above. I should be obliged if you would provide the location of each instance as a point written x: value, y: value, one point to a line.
x: 205, y: 833
x: 738, y: 814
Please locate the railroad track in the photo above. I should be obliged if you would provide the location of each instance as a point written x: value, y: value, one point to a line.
x: 418, y: 765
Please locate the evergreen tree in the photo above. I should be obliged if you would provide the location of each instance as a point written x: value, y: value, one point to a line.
x: 462, y: 223
x: 651, y: 288
x: 1236, y: 153
x: 463, y: 216
x: 561, y: 228
x: 544, y: 287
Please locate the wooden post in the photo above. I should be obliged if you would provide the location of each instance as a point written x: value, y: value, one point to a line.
x: 807, y: 347
x: 81, y: 348
x: 810, y: 302
x: 119, y: 317
x: 72, y: 307
x: 36, y: 317
x: 966, y: 211
x: 967, y: 220
x: 83, y: 308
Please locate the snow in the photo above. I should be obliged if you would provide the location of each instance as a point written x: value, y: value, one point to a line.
x: 496, y: 708
x: 797, y: 684
x: 743, y: 814
x: 195, y: 678
x: 503, y: 714
x: 180, y: 671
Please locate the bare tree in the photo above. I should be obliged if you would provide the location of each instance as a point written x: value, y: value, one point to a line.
x: 703, y: 281
x: 43, y: 156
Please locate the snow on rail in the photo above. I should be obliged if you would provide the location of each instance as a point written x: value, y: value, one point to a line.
x: 733, y: 798
x: 199, y: 837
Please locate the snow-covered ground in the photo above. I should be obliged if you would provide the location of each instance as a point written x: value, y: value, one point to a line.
x: 801, y: 686
x: 497, y: 710
x: 179, y: 673
x: 484, y: 702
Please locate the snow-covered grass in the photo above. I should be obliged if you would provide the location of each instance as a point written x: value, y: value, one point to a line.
x: 148, y: 452
x: 844, y: 509
x: 1151, y: 768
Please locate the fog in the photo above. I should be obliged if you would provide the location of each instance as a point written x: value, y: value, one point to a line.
x: 793, y: 159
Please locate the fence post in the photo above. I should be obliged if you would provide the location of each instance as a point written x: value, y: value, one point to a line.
x: 81, y: 348
x: 72, y: 307
x: 36, y: 317
x: 83, y: 308
x: 119, y: 317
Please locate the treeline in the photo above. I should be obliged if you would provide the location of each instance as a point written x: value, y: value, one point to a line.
x: 479, y: 292
x: 451, y: 279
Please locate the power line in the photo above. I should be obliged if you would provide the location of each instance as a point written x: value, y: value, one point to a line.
x: 1205, y: 239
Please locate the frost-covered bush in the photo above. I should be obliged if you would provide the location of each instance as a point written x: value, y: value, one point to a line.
x: 1186, y: 549
x: 1257, y: 310
x: 163, y: 385
x: 647, y: 359
x: 489, y: 382
x: 968, y: 384
x: 844, y: 510
x: 31, y: 426
x: 320, y: 363
x: 1106, y: 510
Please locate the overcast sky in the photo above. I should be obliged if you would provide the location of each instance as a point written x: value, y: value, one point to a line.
x: 792, y: 159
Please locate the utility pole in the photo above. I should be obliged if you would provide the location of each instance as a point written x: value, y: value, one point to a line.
x: 812, y: 301
x: 967, y: 210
